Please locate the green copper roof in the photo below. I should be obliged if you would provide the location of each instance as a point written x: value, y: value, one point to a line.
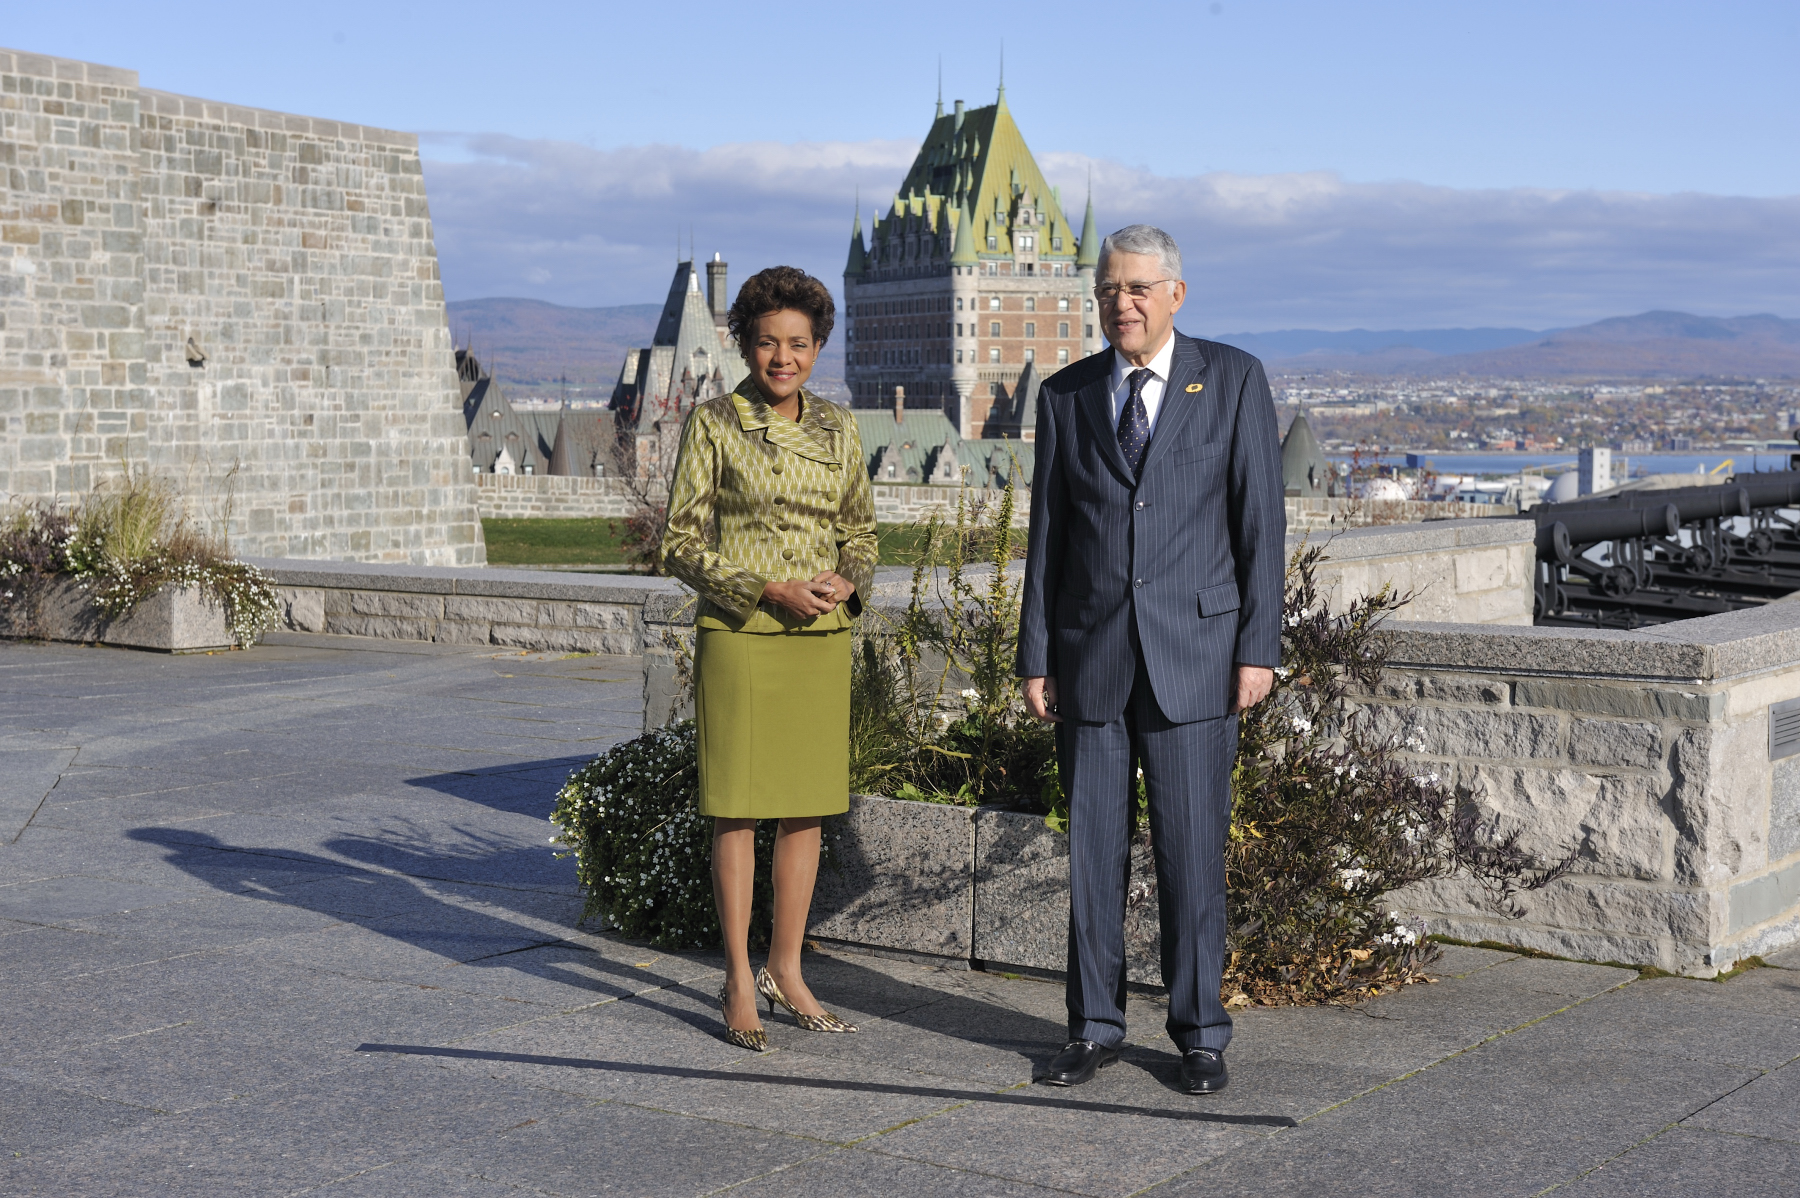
x: 963, y: 252
x: 974, y: 164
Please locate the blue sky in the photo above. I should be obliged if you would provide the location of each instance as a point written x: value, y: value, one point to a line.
x: 1326, y: 164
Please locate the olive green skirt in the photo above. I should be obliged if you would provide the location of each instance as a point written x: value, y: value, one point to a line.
x: 773, y: 716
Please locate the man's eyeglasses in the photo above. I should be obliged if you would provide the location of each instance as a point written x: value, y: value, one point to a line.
x: 1108, y: 293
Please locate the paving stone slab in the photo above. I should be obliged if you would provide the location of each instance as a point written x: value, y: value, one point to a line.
x: 1511, y: 1117
x: 27, y: 775
x: 35, y: 1117
x: 1075, y: 1145
x: 1695, y: 1164
x: 1768, y: 1107
x: 851, y: 1173
x: 49, y: 900
x: 364, y: 1114
x: 622, y: 1151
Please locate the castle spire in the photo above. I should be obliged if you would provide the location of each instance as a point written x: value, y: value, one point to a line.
x: 1088, y: 256
x: 1000, y: 101
x: 940, y: 106
x: 853, y: 266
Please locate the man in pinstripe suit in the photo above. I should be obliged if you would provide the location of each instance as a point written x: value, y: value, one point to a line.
x: 1152, y: 615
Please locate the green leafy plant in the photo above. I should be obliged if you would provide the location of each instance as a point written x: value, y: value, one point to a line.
x: 935, y: 709
x: 1329, y: 817
x: 643, y: 852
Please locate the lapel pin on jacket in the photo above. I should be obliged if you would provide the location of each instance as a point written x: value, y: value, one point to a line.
x: 1193, y: 387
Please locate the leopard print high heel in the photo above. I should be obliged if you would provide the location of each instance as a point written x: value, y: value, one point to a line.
x: 765, y: 986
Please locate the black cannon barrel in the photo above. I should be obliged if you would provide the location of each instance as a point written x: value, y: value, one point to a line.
x: 1772, y: 490
x: 1589, y: 526
x: 1693, y: 503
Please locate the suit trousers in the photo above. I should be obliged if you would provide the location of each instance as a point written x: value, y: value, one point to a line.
x: 1187, y: 774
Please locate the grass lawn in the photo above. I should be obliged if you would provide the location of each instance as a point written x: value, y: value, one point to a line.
x: 554, y: 542
x: 596, y: 542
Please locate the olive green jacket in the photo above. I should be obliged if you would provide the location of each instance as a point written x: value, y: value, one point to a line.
x: 758, y: 498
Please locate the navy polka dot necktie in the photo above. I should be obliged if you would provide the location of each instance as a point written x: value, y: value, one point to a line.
x: 1134, y: 423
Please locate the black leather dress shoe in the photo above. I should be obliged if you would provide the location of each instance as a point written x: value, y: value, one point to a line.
x: 1078, y: 1062
x: 1203, y: 1071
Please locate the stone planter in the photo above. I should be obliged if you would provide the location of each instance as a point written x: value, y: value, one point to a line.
x: 963, y: 884
x: 174, y: 620
x: 1022, y: 899
x: 901, y: 877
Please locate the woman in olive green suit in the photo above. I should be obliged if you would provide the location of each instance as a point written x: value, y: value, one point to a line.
x: 772, y: 522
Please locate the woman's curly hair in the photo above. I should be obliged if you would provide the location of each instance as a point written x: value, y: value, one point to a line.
x: 776, y: 289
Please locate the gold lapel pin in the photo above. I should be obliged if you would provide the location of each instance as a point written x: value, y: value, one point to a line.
x: 1193, y: 387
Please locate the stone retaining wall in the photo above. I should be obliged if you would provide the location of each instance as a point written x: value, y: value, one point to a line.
x: 174, y: 620
x: 1647, y: 751
x: 1307, y: 514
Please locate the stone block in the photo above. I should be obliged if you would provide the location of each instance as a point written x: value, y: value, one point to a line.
x: 1480, y: 570
x: 606, y: 616
x: 1022, y: 898
x: 900, y: 875
x: 1774, y: 895
x: 1625, y: 699
x: 396, y: 628
x: 1467, y: 689
x: 464, y: 632
x: 1615, y: 824
x: 1784, y: 809
x: 667, y: 697
x: 1459, y: 732
x: 302, y: 608
x: 382, y: 603
x: 1615, y: 743
x: 510, y: 611
x: 568, y: 640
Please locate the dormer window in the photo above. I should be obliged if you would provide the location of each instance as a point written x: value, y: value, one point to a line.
x: 993, y: 243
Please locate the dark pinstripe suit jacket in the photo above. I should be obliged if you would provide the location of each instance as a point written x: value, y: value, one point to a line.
x: 1193, y: 552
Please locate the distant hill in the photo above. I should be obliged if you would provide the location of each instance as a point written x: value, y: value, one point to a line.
x: 1652, y: 344
x: 530, y: 345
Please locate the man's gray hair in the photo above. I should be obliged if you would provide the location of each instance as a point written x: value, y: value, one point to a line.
x: 1145, y: 239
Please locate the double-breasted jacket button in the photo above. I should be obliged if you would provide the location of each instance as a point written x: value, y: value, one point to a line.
x: 788, y: 554
x: 775, y: 469
x: 780, y: 499
x: 782, y: 526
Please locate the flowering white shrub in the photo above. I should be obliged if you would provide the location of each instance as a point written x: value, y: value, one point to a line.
x: 643, y: 851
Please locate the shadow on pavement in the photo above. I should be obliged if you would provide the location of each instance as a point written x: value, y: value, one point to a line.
x: 1003, y: 1098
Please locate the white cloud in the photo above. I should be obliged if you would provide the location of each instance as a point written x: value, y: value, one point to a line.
x: 574, y: 225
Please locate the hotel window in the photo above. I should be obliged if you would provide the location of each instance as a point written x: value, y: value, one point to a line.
x: 994, y: 354
x: 1031, y: 328
x: 993, y: 243
x: 1056, y: 244
x: 1031, y: 355
x: 993, y: 328
x: 994, y: 303
x: 1062, y: 357
x: 1027, y: 241
x: 992, y: 268
x: 959, y: 357
x: 1090, y: 332
x: 1087, y: 305
x: 959, y: 303
x: 1062, y: 328
x: 1031, y: 303
x: 959, y: 328
x: 1062, y: 305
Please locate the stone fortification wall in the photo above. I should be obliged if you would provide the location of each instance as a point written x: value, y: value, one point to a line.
x: 1459, y: 571
x: 295, y: 253
x: 1320, y: 514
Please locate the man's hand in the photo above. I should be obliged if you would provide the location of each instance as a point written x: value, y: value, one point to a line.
x: 1253, y: 686
x: 1040, y: 699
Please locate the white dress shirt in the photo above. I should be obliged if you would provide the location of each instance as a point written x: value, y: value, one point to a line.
x: 1153, y: 386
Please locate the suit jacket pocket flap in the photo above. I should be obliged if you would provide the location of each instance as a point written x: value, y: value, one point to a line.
x: 1220, y: 599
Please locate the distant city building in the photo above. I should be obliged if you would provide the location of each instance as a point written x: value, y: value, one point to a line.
x: 974, y: 286
x: 1595, y: 469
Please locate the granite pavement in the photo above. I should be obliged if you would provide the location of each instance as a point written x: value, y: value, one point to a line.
x: 286, y: 921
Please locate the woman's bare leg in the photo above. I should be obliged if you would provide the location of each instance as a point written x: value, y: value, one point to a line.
x: 734, y: 888
x: 796, y: 869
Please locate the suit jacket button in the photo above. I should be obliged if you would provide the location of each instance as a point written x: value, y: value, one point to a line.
x: 782, y: 527
x: 1137, y: 582
x: 776, y: 468
x: 1139, y: 505
x: 788, y: 554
